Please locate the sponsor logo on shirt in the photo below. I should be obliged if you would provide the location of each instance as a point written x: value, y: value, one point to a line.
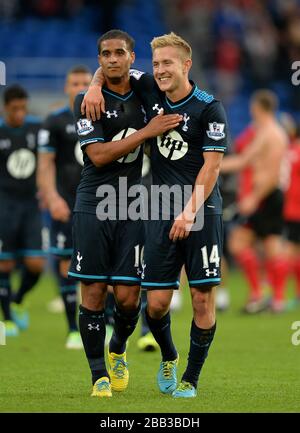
x: 172, y: 145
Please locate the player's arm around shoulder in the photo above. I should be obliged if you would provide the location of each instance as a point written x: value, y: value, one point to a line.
x: 93, y: 102
x: 143, y: 84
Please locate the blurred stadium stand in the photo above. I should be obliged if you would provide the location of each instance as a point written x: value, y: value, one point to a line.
x: 238, y: 45
x: 39, y: 48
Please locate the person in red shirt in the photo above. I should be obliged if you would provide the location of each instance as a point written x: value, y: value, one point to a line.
x: 240, y: 234
x: 261, y: 207
x: 291, y: 210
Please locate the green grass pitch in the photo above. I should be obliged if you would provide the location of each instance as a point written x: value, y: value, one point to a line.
x: 252, y: 365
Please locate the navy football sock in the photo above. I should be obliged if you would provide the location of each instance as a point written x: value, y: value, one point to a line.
x: 125, y: 324
x: 28, y: 281
x: 161, y: 330
x: 200, y: 342
x: 92, y: 330
x: 145, y: 326
x: 68, y: 290
x: 5, y: 294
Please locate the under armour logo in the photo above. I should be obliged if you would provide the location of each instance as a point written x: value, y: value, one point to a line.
x: 214, y: 272
x: 111, y: 114
x: 92, y: 327
x: 156, y: 108
x: 186, y: 118
x: 79, y: 258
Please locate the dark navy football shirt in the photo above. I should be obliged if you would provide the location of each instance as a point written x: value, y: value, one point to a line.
x: 123, y: 117
x: 177, y: 156
x: 18, y: 151
x: 58, y: 136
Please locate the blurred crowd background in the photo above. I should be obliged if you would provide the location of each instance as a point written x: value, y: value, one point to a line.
x: 238, y: 45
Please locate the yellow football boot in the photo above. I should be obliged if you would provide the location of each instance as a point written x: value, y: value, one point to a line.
x: 102, y: 388
x: 118, y: 371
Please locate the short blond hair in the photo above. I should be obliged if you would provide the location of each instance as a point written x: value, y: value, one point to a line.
x: 172, y: 40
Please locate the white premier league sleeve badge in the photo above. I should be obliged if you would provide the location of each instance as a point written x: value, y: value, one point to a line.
x: 216, y: 131
x: 84, y: 127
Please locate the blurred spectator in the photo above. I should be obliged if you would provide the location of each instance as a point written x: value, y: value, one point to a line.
x: 51, y: 8
x: 260, y: 42
x: 240, y: 39
x: 228, y: 62
x: 8, y: 9
x: 103, y: 17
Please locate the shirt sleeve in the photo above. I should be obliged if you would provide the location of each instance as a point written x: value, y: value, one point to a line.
x: 143, y: 84
x: 88, y: 132
x: 214, y: 123
x: 47, y: 136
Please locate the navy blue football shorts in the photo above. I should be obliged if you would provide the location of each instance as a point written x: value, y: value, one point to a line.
x: 200, y: 253
x: 61, y: 239
x: 106, y: 251
x: 20, y: 229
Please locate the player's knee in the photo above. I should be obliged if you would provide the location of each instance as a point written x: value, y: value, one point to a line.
x: 272, y: 246
x: 234, y: 246
x: 127, y: 298
x: 201, y: 301
x: 35, y: 265
x: 7, y: 265
x: 64, y: 266
x: 157, y: 308
x: 93, y: 296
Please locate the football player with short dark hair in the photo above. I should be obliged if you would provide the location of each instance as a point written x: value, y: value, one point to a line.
x: 20, y: 217
x: 107, y: 249
x: 59, y: 169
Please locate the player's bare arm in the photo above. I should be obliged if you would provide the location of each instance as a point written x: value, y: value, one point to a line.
x: 104, y: 153
x: 93, y: 103
x: 266, y: 180
x: 207, y: 178
x: 236, y: 163
x: 46, y: 179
